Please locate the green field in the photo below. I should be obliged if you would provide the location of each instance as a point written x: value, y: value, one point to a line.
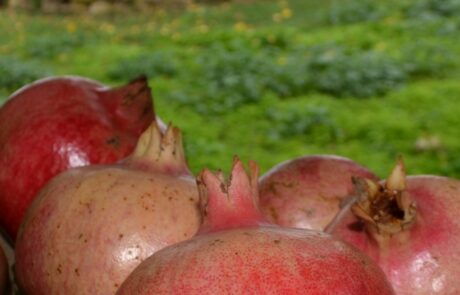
x: 271, y: 80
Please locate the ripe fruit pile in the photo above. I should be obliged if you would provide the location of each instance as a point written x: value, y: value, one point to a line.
x: 134, y: 220
x: 237, y: 252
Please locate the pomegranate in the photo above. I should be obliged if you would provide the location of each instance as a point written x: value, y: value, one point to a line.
x: 62, y: 122
x: 307, y: 192
x: 6, y: 261
x: 237, y: 252
x: 89, y: 227
x: 408, y: 225
x: 4, y: 280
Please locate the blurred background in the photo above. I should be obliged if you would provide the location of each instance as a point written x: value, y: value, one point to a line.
x: 267, y: 80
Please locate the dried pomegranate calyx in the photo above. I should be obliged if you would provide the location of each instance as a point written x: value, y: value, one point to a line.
x: 385, y: 208
x: 163, y: 151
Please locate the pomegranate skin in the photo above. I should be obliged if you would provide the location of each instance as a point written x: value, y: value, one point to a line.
x: 308, y: 192
x: 424, y: 258
x: 61, y: 122
x: 266, y: 260
x: 4, y: 279
x: 91, y: 226
x: 237, y: 252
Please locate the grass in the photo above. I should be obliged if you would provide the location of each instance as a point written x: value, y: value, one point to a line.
x: 272, y: 80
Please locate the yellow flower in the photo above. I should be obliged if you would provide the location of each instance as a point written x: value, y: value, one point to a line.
x: 203, y: 28
x: 282, y: 60
x: 381, y: 46
x: 71, y: 27
x: 241, y: 26
x: 108, y: 28
x: 165, y: 30
x: 286, y: 13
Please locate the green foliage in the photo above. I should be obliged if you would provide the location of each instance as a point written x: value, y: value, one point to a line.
x: 355, y: 11
x: 15, y: 73
x: 341, y: 72
x: 228, y: 78
x: 49, y: 46
x: 425, y: 59
x: 153, y: 65
x: 271, y: 80
x: 313, y: 123
x: 430, y: 8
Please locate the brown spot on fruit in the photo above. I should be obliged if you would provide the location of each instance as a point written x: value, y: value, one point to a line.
x: 273, y: 213
x: 113, y: 141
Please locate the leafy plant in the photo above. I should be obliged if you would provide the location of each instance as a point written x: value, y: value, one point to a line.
x: 227, y: 79
x: 423, y: 59
x: 153, y: 65
x: 355, y: 11
x: 341, y: 72
x: 15, y: 73
x: 51, y: 45
x: 312, y: 123
x: 428, y: 8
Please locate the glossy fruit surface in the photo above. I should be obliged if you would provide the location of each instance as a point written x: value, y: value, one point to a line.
x: 91, y: 226
x: 62, y: 122
x: 238, y: 252
x: 307, y: 192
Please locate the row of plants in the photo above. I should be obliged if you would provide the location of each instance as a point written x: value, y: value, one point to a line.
x: 227, y: 77
x: 298, y: 86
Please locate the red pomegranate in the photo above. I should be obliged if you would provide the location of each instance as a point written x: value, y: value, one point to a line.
x: 409, y: 226
x: 62, y: 122
x: 4, y: 280
x: 307, y: 192
x: 238, y: 252
x: 89, y: 227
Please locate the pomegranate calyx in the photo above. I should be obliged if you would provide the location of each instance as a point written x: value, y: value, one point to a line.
x: 386, y: 208
x: 397, y: 178
x: 130, y: 105
x: 232, y: 203
x: 161, y: 151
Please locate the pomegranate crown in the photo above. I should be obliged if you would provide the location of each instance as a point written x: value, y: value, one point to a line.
x: 232, y: 203
x: 159, y: 150
x: 386, y: 208
x: 131, y: 105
